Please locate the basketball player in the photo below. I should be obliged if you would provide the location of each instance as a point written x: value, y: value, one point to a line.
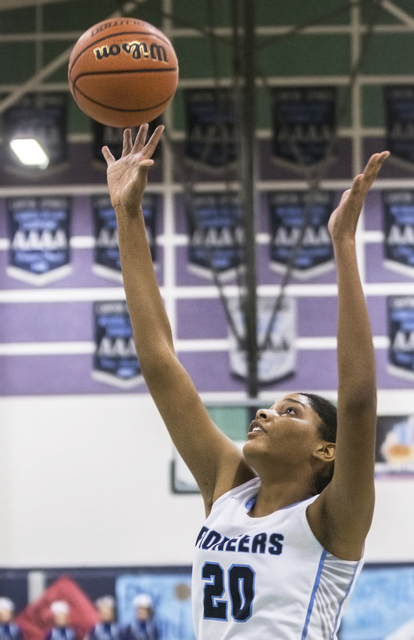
x: 288, y: 516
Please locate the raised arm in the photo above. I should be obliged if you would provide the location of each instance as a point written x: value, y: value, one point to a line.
x: 341, y: 516
x: 215, y: 461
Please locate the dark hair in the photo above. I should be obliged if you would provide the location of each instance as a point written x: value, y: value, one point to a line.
x: 327, y: 430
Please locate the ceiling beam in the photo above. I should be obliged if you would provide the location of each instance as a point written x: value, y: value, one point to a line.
x: 20, y: 4
x: 56, y: 63
x: 396, y: 11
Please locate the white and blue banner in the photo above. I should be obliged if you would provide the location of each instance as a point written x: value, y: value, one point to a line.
x: 215, y: 234
x: 107, y: 262
x: 299, y: 235
x: 171, y: 597
x: 304, y: 125
x: 398, y: 226
x: 39, y: 239
x: 115, y: 360
x: 400, y: 311
x: 210, y: 127
x: 277, y: 360
x: 399, y: 122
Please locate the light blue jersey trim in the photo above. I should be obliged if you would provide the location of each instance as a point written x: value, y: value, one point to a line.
x: 312, y: 598
x: 351, y: 584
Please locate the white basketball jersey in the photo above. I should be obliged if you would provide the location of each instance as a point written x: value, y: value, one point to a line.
x: 266, y: 578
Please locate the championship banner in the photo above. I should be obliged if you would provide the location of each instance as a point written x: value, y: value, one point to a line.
x: 112, y: 137
x: 399, y: 122
x: 289, y: 211
x: 278, y: 360
x: 39, y: 235
x: 107, y: 263
x: 115, y: 361
x: 398, y: 226
x: 401, y: 335
x: 171, y: 597
x: 216, y: 234
x: 42, y: 116
x: 304, y: 125
x: 210, y: 127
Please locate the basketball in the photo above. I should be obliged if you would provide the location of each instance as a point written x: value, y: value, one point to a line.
x: 123, y: 72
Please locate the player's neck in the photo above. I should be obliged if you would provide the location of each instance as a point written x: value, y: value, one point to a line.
x: 278, y: 494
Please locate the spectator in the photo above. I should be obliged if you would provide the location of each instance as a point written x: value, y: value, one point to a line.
x: 61, y: 629
x: 143, y: 627
x: 106, y: 627
x: 9, y: 630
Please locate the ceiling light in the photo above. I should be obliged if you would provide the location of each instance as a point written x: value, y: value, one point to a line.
x: 29, y: 152
x: 35, y: 132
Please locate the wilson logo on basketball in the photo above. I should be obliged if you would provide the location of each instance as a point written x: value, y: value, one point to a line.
x: 135, y: 49
x: 124, y: 76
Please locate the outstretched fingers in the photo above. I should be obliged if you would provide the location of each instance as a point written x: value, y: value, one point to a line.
x: 363, y: 182
x: 139, y: 143
x: 137, y: 147
x: 153, y: 141
x: 127, y: 142
x: 108, y: 156
x: 343, y: 221
x: 373, y: 167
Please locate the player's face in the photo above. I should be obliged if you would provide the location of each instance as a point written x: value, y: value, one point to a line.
x: 285, y: 432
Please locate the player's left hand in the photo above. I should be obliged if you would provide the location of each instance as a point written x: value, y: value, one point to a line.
x: 127, y: 177
x: 343, y: 221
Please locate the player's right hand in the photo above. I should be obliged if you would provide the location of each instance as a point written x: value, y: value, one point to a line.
x: 127, y: 177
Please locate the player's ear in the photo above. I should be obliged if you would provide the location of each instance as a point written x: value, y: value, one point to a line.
x: 325, y: 451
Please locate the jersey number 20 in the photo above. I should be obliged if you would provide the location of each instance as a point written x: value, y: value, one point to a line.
x: 241, y: 588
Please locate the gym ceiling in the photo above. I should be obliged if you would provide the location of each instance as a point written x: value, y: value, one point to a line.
x: 331, y: 42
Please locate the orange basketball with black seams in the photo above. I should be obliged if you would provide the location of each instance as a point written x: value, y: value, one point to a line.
x: 123, y: 72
